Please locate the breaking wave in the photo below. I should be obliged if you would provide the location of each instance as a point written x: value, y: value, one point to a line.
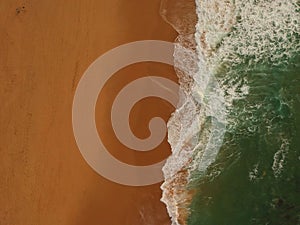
x: 237, y: 63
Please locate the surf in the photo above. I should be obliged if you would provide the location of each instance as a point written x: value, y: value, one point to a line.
x: 237, y: 63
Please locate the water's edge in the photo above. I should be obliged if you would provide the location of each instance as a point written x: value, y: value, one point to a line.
x: 226, y: 51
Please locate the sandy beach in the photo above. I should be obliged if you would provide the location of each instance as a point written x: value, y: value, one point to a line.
x: 45, y: 47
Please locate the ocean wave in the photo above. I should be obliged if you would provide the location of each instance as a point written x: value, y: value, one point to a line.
x: 225, y: 51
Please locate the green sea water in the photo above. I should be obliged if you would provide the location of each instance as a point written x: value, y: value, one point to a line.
x: 243, y: 101
x: 256, y: 177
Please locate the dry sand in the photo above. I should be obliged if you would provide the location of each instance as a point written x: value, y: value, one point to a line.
x: 45, y: 47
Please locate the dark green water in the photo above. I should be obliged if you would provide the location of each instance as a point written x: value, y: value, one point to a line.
x: 251, y: 48
x: 256, y: 177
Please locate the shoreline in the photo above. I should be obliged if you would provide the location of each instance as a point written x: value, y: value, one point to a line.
x: 46, y: 46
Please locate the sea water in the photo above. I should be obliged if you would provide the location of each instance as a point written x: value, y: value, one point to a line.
x: 235, y: 134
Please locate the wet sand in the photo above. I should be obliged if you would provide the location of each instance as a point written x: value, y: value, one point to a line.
x: 45, y: 47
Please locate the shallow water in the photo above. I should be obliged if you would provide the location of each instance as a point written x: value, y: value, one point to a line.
x: 235, y: 134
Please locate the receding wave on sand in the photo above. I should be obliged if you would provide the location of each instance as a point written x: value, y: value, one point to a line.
x: 223, y: 50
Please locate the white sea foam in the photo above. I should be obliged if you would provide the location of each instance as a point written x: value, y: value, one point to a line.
x: 226, y: 33
x: 254, y: 174
x: 280, y: 157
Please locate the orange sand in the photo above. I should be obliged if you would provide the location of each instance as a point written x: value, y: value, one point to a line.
x: 45, y: 47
